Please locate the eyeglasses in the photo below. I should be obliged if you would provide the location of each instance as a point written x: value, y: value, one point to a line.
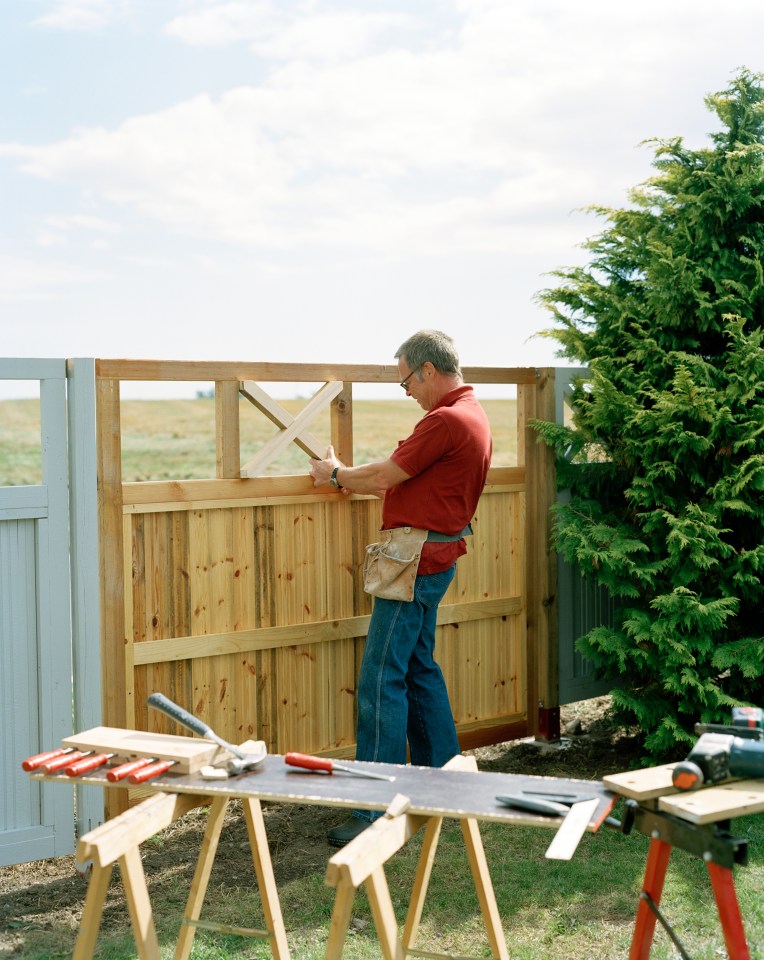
x: 405, y: 383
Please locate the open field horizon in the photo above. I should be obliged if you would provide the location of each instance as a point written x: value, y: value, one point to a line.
x: 175, y: 439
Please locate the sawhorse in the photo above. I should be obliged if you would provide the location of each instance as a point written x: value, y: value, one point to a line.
x: 697, y: 822
x: 118, y: 840
x: 723, y: 885
x: 362, y: 862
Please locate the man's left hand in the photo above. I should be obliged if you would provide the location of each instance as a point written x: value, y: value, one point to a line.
x: 321, y: 470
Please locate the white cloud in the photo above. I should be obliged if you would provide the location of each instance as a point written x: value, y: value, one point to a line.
x: 288, y: 32
x: 23, y: 279
x: 57, y: 230
x: 72, y: 15
x: 375, y: 133
x: 225, y: 23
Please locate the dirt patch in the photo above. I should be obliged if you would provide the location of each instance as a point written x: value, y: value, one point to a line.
x: 49, y: 894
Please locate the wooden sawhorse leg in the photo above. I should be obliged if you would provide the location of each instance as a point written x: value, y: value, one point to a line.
x: 258, y: 842
x: 363, y: 859
x: 118, y: 840
x: 723, y: 885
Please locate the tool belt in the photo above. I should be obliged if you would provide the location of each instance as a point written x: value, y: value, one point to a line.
x: 391, y: 564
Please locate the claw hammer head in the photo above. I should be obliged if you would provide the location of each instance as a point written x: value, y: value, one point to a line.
x: 253, y: 754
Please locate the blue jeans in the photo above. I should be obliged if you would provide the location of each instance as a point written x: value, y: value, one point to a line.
x: 402, y: 695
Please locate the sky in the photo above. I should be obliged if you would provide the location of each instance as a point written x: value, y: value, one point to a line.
x: 315, y: 180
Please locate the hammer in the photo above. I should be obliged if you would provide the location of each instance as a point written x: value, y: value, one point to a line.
x: 241, y: 761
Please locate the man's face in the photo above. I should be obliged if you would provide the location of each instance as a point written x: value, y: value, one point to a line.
x: 415, y: 387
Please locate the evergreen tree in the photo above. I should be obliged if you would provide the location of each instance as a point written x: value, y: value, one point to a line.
x: 665, y: 463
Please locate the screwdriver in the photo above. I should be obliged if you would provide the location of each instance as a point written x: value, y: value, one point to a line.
x: 324, y: 763
x: 79, y: 767
x: 152, y: 769
x: 125, y: 769
x: 58, y: 763
x: 32, y: 763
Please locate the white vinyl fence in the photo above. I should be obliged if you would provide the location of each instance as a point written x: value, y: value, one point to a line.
x: 37, y: 697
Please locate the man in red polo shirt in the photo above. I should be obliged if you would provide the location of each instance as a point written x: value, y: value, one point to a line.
x: 433, y: 480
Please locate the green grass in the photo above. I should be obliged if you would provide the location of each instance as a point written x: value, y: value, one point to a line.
x: 576, y: 910
x: 175, y: 439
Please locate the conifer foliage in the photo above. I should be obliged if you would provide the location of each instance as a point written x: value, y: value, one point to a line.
x: 665, y: 461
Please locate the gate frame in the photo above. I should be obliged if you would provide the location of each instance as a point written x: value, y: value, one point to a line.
x: 536, y: 470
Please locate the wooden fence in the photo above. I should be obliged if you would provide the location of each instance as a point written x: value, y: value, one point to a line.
x: 240, y: 597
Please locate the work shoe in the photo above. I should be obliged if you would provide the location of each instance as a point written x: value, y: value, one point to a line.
x: 345, y: 832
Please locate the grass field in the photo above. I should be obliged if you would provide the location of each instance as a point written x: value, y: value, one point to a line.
x: 175, y: 439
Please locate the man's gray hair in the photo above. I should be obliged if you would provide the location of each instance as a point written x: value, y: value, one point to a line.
x: 432, y: 345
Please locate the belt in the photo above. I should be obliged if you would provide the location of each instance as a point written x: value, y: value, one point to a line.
x: 433, y: 535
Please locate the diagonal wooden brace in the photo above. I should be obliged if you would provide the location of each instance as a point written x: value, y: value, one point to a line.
x: 292, y: 428
x: 277, y: 414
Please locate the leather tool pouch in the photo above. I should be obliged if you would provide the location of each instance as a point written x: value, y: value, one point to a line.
x: 391, y: 564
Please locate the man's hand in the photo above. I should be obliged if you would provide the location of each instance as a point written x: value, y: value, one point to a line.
x: 321, y: 470
x: 368, y: 478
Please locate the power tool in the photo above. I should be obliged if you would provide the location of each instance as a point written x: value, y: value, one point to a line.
x: 724, y: 751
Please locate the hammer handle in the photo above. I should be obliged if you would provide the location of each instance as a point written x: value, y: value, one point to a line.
x: 160, y: 702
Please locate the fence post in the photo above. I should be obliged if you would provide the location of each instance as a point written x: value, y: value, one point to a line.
x: 341, y: 418
x: 86, y: 607
x: 538, y: 403
x: 110, y: 523
x: 227, y: 444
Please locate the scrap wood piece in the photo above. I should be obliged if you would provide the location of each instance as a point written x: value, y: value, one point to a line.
x: 721, y: 802
x: 642, y: 784
x: 189, y: 753
x: 571, y: 830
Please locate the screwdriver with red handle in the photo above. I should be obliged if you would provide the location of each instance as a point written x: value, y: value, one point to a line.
x: 35, y: 762
x: 125, y: 769
x: 64, y: 760
x: 151, y: 770
x: 324, y: 763
x: 86, y: 764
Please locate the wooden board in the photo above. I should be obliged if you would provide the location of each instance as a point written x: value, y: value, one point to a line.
x: 432, y: 791
x: 712, y: 804
x: 190, y: 753
x: 642, y: 784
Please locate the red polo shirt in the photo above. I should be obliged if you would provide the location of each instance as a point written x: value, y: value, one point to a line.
x: 447, y: 458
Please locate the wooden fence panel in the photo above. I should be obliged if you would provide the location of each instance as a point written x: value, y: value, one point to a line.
x: 244, y: 601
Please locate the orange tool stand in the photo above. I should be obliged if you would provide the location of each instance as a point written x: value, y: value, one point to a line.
x: 697, y: 822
